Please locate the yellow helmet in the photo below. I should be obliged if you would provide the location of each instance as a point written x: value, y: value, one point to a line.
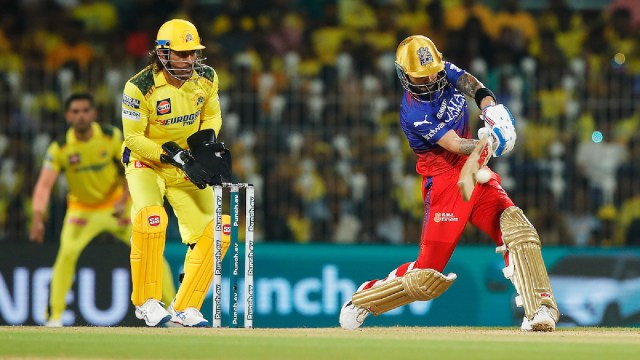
x: 418, y: 57
x: 178, y: 35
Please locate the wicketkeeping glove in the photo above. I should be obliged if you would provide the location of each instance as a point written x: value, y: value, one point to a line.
x: 212, y: 156
x: 181, y: 158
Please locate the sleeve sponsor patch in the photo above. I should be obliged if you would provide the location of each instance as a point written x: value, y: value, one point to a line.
x: 130, y: 114
x: 130, y: 102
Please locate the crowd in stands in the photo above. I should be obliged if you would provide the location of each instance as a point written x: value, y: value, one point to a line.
x: 310, y: 105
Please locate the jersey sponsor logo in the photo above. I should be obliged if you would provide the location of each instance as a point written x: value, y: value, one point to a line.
x: 455, y: 107
x: 77, y: 221
x: 154, y: 220
x: 185, y: 119
x: 130, y: 114
x: 441, y: 111
x: 74, y: 159
x: 139, y: 164
x: 433, y: 131
x: 425, y: 121
x: 130, y: 102
x: 163, y: 106
x: 444, y: 217
x: 93, y: 167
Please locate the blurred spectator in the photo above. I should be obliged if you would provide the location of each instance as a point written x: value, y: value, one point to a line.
x: 73, y: 52
x: 98, y: 17
x: 582, y: 221
x: 598, y: 159
x: 632, y: 6
x: 515, y: 24
x: 458, y: 15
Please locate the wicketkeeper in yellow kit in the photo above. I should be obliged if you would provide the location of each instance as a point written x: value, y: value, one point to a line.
x: 98, y: 199
x: 171, y: 117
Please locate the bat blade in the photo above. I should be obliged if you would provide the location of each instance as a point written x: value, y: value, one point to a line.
x: 476, y: 160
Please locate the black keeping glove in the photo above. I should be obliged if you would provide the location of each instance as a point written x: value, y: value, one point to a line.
x: 214, y: 158
x: 182, y: 159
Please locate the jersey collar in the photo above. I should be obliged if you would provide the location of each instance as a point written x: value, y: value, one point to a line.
x: 71, y: 135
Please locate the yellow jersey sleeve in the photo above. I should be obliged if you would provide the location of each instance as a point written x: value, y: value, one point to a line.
x: 135, y: 119
x: 211, y: 116
x: 51, y: 159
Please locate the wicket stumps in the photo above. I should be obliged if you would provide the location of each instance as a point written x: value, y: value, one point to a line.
x: 233, y: 251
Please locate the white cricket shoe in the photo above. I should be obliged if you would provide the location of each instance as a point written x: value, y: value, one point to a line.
x: 54, y: 323
x: 352, y: 316
x: 543, y: 320
x: 189, y: 317
x: 153, y: 313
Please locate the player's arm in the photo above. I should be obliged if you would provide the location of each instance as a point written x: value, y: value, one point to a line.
x: 211, y: 115
x: 472, y: 87
x: 451, y: 142
x: 41, y: 196
x: 498, y: 120
x: 135, y: 117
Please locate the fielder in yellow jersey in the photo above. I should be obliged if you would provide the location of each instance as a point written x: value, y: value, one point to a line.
x: 98, y: 198
x: 171, y: 116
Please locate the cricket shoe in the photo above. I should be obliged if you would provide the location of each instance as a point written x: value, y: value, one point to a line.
x: 54, y: 323
x: 543, y: 320
x: 189, y: 317
x: 352, y: 316
x: 153, y: 313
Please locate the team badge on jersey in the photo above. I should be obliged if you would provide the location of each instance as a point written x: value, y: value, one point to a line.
x: 74, y: 159
x: 163, y: 106
x: 425, y: 56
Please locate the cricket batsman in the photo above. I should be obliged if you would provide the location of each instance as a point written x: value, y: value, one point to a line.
x: 171, y: 118
x: 98, y: 199
x: 434, y: 117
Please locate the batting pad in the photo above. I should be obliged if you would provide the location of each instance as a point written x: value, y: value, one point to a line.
x: 198, y: 272
x: 147, y: 248
x: 526, y: 268
x: 415, y: 285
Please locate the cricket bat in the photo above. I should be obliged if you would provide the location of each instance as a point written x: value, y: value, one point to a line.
x: 476, y: 160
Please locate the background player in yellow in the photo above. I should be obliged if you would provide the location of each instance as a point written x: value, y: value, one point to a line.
x: 171, y: 116
x: 98, y: 200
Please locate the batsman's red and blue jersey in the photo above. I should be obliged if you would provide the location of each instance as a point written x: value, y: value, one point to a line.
x: 424, y: 123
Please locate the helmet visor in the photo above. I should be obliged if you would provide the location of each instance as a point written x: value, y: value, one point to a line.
x: 425, y: 92
x: 182, y: 65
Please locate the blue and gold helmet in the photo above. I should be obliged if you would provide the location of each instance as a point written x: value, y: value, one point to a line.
x: 417, y: 57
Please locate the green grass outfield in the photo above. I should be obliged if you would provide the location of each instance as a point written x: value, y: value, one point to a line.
x: 387, y: 343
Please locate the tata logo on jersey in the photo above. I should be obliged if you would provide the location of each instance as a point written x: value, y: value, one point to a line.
x: 163, y: 107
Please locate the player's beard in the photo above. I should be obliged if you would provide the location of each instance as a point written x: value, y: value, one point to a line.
x: 82, y: 127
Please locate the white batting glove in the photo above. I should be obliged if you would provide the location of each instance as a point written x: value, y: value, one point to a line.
x: 497, y: 115
x: 500, y: 122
